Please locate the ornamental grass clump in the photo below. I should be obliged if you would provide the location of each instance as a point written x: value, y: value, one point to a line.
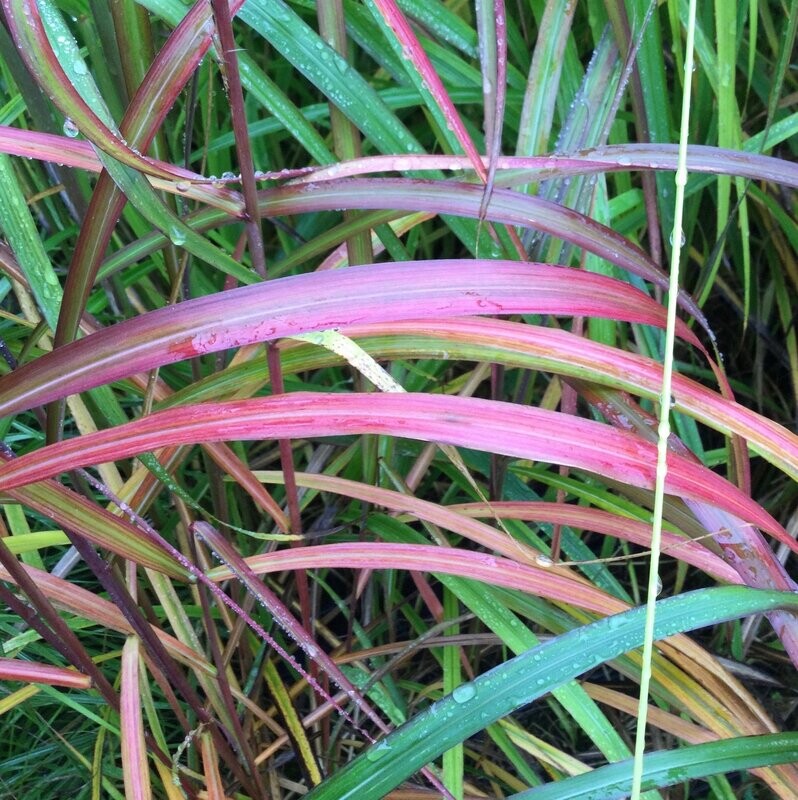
x: 398, y: 399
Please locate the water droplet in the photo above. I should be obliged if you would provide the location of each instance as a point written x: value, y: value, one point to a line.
x: 614, y: 622
x: 229, y: 176
x: 183, y: 186
x: 79, y: 66
x: 464, y: 693
x: 70, y: 129
x: 544, y: 561
x: 177, y: 235
x: 681, y: 239
x: 378, y: 751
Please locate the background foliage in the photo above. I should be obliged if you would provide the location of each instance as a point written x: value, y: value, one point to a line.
x: 332, y: 338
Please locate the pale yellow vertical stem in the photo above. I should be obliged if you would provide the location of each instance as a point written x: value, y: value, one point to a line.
x: 664, y: 413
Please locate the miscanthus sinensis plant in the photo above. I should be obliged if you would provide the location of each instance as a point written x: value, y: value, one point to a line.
x: 337, y: 339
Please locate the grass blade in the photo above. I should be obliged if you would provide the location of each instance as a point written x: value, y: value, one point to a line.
x: 670, y: 767
x: 519, y: 681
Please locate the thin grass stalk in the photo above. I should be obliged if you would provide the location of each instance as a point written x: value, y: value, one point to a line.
x: 346, y: 137
x: 228, y: 63
x: 232, y: 76
x: 156, y: 650
x: 257, y: 252
x: 214, y: 645
x: 269, y: 600
x: 664, y: 416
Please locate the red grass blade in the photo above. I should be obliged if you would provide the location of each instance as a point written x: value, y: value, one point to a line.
x: 317, y: 301
x: 12, y: 669
x: 504, y: 428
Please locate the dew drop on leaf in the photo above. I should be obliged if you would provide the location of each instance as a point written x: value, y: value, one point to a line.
x: 681, y: 239
x: 70, y: 129
x: 177, y: 235
x: 464, y: 693
x: 378, y: 751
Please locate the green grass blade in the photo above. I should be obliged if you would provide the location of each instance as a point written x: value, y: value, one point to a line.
x: 495, y: 614
x: 21, y: 232
x: 666, y: 768
x: 543, y: 83
x: 345, y: 87
x: 524, y: 678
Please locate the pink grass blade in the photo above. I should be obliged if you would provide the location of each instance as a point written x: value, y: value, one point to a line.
x: 515, y: 431
x: 563, y: 353
x: 553, y: 584
x: 513, y: 170
x: 210, y: 764
x: 169, y: 72
x: 27, y: 28
x: 317, y: 301
x: 13, y: 669
x: 428, y: 75
x: 80, y: 154
x: 134, y: 749
x: 465, y: 199
x: 619, y: 527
